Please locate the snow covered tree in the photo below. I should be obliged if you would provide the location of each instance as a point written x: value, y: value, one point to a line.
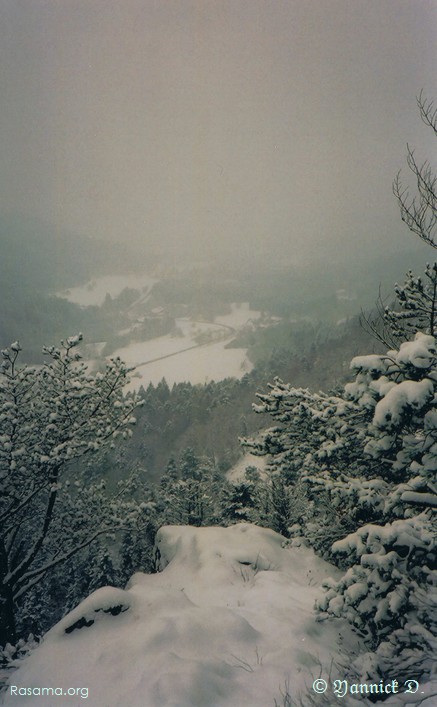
x: 238, y: 501
x: 317, y: 444
x: 371, y: 454
x: 51, y: 416
x: 417, y: 298
x: 389, y: 591
x: 189, y: 491
x: 417, y: 310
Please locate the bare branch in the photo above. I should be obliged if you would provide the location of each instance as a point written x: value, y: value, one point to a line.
x: 428, y: 112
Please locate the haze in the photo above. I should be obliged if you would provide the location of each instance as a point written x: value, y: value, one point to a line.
x: 202, y: 127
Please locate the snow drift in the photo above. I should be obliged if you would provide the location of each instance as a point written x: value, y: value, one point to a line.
x: 228, y: 620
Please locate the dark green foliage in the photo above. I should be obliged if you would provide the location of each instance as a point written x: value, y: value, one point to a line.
x: 136, y: 552
x: 239, y: 502
x: 200, y: 417
x: 190, y: 491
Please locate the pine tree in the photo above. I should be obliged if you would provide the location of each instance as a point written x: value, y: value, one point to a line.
x: 416, y: 310
x: 103, y: 571
x: 238, y: 502
x: 370, y: 455
x: 190, y: 491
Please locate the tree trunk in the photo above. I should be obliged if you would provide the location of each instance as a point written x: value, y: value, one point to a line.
x: 7, y: 613
x: 7, y: 617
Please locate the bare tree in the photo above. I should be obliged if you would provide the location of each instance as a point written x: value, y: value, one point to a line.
x: 419, y: 212
x: 417, y: 297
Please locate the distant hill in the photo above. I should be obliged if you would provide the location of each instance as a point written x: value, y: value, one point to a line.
x: 37, y: 259
x: 39, y: 256
x: 334, y: 287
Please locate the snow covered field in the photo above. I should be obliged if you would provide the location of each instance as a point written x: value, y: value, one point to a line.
x: 93, y: 293
x: 211, y: 361
x: 199, y: 365
x: 228, y: 622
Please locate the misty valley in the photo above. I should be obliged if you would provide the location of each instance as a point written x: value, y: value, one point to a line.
x: 188, y: 351
x: 218, y: 353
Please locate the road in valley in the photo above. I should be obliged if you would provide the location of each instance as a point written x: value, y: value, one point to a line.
x: 231, y: 330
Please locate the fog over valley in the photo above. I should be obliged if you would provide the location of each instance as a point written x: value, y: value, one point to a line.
x: 203, y: 129
x: 218, y: 353
x: 212, y: 142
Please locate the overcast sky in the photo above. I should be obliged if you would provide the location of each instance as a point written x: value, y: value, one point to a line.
x: 275, y: 124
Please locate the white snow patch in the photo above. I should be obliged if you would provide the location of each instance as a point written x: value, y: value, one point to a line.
x: 412, y: 395
x: 227, y: 622
x: 419, y: 353
x: 372, y: 363
x: 93, y: 293
x: 180, y: 358
x: 199, y: 365
x: 240, y: 315
x: 236, y: 474
x: 137, y: 353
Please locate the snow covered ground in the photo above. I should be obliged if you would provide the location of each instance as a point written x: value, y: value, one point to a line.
x: 210, y: 362
x: 228, y: 622
x: 93, y: 293
x: 199, y: 364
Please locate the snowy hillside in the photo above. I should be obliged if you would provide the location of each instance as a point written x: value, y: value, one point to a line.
x: 228, y: 621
